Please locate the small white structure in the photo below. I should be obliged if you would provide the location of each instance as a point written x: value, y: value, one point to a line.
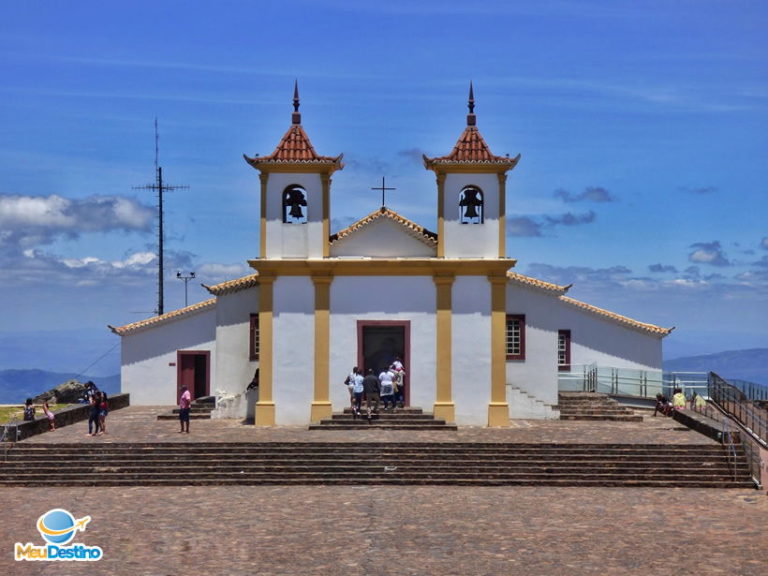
x: 480, y: 343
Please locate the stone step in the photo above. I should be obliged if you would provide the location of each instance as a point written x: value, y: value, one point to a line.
x: 35, y: 450
x: 593, y: 407
x: 192, y: 416
x: 406, y: 410
x: 409, y: 418
x: 178, y: 464
x: 365, y: 424
x: 383, y: 479
x: 385, y: 415
x: 328, y: 467
x: 597, y: 417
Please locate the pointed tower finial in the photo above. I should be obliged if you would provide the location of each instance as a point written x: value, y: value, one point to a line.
x: 296, y: 118
x: 471, y: 119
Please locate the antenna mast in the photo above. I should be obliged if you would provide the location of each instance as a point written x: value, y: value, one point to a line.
x: 160, y: 187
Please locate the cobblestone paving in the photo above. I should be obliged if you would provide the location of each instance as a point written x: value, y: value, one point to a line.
x: 354, y: 531
x: 382, y: 530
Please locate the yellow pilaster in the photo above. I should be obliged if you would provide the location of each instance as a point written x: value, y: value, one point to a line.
x: 502, y: 215
x: 440, y: 215
x: 444, y: 407
x: 264, y: 177
x: 326, y: 178
x: 321, y: 403
x: 265, y: 407
x: 498, y: 409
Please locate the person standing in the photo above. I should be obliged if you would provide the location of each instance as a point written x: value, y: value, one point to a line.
x: 29, y: 410
x: 350, y: 383
x: 387, y: 381
x: 103, y: 411
x: 185, y: 406
x: 50, y: 416
x: 93, y: 413
x: 357, y: 391
x: 399, y: 380
x: 372, y: 389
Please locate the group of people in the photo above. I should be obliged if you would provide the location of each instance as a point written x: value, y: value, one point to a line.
x: 666, y: 408
x: 29, y: 413
x: 388, y: 388
x: 97, y: 411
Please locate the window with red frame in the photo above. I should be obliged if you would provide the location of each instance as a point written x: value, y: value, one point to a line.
x: 254, y: 337
x: 515, y: 336
x: 564, y: 350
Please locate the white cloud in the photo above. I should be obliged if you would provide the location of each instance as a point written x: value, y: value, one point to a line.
x: 212, y: 273
x: 136, y: 260
x: 29, y: 221
x: 708, y: 253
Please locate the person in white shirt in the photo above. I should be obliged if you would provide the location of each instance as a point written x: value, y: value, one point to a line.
x: 350, y: 383
x: 399, y: 380
x: 387, y: 379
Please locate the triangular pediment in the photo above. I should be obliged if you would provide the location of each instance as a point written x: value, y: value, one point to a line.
x: 384, y: 234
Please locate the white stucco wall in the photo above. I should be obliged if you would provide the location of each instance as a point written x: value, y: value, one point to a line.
x: 471, y: 240
x: 609, y: 343
x: 594, y: 339
x: 471, y: 345
x: 294, y: 240
x: 537, y: 374
x: 382, y: 238
x: 406, y: 298
x: 294, y: 346
x: 234, y: 369
x: 148, y: 364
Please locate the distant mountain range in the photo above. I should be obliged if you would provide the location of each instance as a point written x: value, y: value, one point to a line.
x: 18, y: 385
x: 748, y: 365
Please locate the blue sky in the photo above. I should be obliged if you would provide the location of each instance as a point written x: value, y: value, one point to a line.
x: 642, y: 127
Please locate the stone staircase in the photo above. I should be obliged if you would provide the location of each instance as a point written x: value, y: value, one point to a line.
x: 401, y: 419
x: 593, y: 406
x: 200, y: 409
x: 352, y: 463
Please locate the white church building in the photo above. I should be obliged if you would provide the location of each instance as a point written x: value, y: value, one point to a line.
x: 481, y: 344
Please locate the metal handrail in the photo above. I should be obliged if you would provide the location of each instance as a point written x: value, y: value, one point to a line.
x: 737, y: 405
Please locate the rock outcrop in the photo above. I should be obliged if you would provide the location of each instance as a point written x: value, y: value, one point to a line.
x: 70, y: 392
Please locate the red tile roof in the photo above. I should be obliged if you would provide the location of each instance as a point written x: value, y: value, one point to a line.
x: 189, y: 310
x: 235, y: 285
x: 294, y: 147
x: 471, y: 148
x: 643, y: 326
x: 536, y: 283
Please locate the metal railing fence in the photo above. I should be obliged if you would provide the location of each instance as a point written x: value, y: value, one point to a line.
x: 631, y: 382
x: 739, y: 406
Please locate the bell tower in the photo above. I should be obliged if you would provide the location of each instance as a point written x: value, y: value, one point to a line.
x: 471, y: 195
x: 295, y: 195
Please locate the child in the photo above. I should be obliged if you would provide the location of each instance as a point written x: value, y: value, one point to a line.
x: 103, y: 410
x: 50, y: 416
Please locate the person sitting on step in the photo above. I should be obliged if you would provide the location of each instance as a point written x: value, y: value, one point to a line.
x: 662, y: 405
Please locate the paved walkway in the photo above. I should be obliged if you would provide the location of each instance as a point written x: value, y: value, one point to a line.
x: 356, y: 531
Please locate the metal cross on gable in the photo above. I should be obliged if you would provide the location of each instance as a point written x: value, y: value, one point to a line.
x: 383, y: 189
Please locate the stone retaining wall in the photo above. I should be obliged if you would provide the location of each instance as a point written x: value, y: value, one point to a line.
x: 64, y: 417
